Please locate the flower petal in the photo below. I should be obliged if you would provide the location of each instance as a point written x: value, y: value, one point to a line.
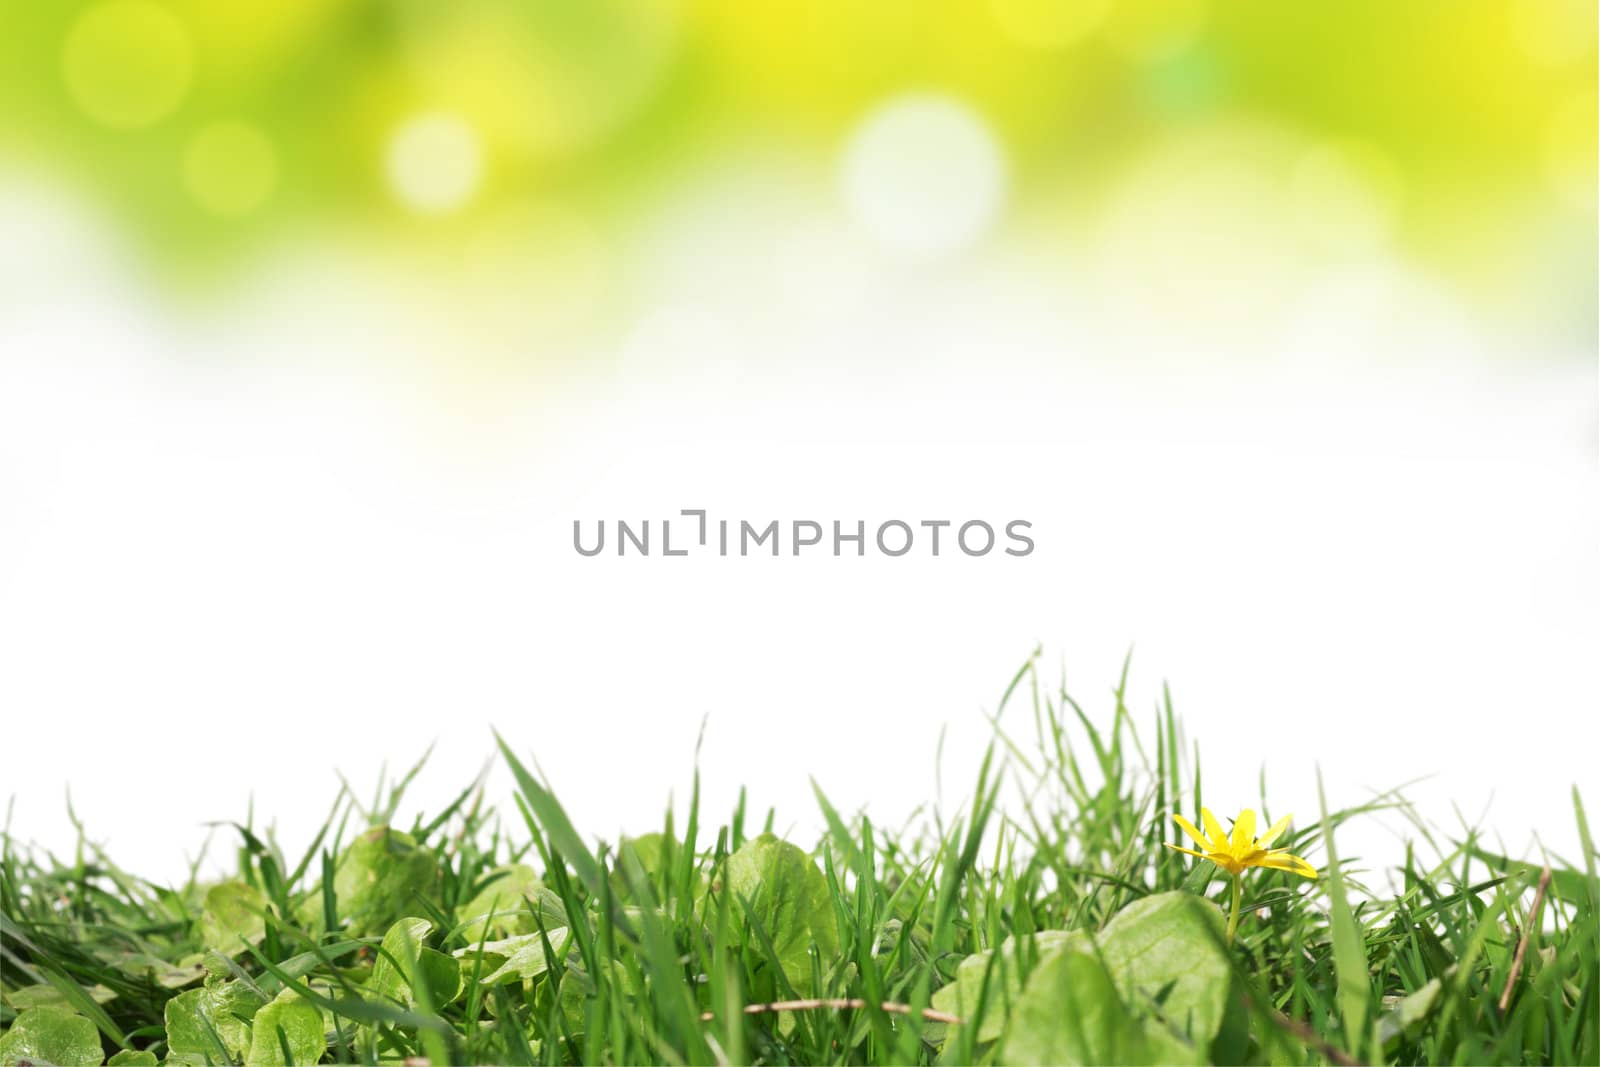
x: 1227, y: 861
x: 1283, y: 861
x: 1244, y: 832
x: 1214, y: 830
x: 1186, y: 851
x: 1189, y: 828
x: 1274, y: 832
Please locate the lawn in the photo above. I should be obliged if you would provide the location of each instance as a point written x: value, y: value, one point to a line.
x: 1056, y: 928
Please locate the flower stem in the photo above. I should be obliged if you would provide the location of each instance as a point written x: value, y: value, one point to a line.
x: 1233, y: 916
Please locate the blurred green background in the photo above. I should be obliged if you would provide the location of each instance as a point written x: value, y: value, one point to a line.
x: 1456, y: 135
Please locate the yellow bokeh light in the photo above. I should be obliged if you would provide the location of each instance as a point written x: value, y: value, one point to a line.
x: 1555, y: 32
x: 1153, y: 29
x: 1047, y: 23
x: 127, y: 63
x: 544, y: 79
x: 230, y: 168
x: 242, y: 39
x: 1569, y: 150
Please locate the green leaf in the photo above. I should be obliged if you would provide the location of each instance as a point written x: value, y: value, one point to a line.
x: 648, y: 850
x: 402, y: 953
x: 211, y: 1024
x: 578, y: 987
x: 45, y: 995
x: 233, y: 916
x: 1407, y: 1017
x: 306, y: 962
x: 1166, y: 951
x: 379, y: 878
x: 1069, y: 1013
x: 499, y: 908
x: 965, y: 994
x: 191, y: 1039
x: 553, y: 817
x: 186, y: 970
x: 391, y: 973
x: 129, y: 1057
x: 1349, y: 950
x: 522, y: 956
x: 778, y: 886
x: 51, y: 1035
x: 290, y: 1022
x: 1566, y: 884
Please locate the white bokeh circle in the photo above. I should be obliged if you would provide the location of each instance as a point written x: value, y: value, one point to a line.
x: 923, y: 175
x: 435, y: 163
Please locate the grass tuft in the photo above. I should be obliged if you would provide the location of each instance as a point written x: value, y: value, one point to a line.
x: 1045, y: 929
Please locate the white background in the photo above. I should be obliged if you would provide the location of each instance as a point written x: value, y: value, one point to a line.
x: 241, y: 552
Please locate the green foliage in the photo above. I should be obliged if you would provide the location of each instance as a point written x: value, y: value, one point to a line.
x: 407, y: 971
x: 1043, y: 922
x: 787, y: 910
x: 51, y: 1035
x: 234, y: 916
x: 1166, y: 951
x: 211, y: 1024
x: 987, y: 984
x: 1070, y: 1013
x: 1154, y: 986
x: 381, y: 877
x: 522, y: 957
x: 286, y: 1032
x: 498, y: 909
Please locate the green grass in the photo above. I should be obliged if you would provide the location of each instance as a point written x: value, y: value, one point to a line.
x: 483, y: 935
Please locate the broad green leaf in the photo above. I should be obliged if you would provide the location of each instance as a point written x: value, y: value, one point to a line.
x: 961, y: 997
x: 292, y: 1021
x: 776, y: 884
x: 305, y: 963
x: 210, y: 1024
x: 129, y: 1057
x: 186, y: 970
x: 577, y: 989
x: 648, y: 850
x: 190, y: 1038
x: 230, y: 1005
x: 1069, y: 1012
x: 379, y: 877
x: 441, y: 974
x: 51, y: 1035
x: 46, y: 995
x: 500, y: 907
x: 1412, y: 1010
x: 522, y: 956
x: 402, y: 953
x: 233, y: 917
x: 391, y: 973
x: 1168, y: 948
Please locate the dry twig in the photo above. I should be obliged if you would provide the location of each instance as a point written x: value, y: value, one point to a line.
x: 1527, y: 933
x: 849, y: 1004
x: 1310, y: 1037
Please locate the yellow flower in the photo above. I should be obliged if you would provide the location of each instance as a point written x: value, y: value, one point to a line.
x: 1244, y: 849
